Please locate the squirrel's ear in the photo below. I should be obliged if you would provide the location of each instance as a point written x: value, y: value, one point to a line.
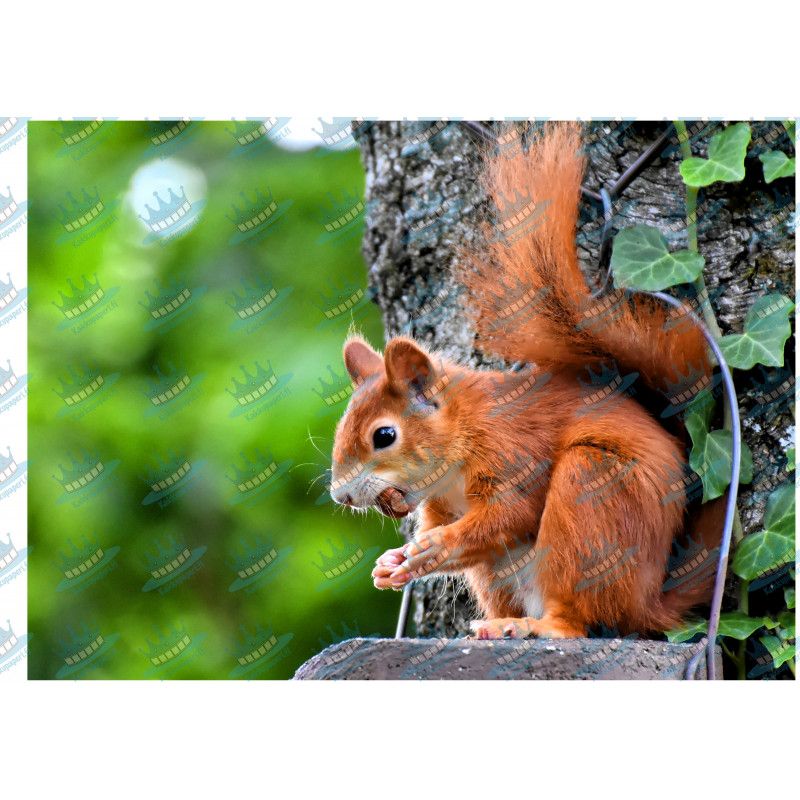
x: 408, y: 366
x: 361, y: 360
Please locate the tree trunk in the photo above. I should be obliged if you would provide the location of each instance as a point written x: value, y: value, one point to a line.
x: 423, y: 201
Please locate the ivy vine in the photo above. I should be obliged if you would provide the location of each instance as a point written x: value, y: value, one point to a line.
x: 641, y: 260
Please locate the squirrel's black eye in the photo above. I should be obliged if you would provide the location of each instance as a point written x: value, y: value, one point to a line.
x: 383, y: 437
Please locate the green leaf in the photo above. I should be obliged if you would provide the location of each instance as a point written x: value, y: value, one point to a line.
x: 790, y: 459
x: 779, y: 512
x: 712, y: 453
x: 775, y: 545
x: 776, y: 165
x: 739, y: 625
x: 766, y: 329
x: 778, y: 650
x: 787, y: 621
x: 640, y: 260
x: 726, y: 152
x: 788, y: 596
x: 686, y: 631
x: 735, y: 624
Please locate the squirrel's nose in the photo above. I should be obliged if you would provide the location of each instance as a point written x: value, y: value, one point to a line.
x: 343, y: 498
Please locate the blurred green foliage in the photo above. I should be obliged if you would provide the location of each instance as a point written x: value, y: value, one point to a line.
x: 208, y: 254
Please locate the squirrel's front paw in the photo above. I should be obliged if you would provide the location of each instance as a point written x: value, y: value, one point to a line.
x: 385, y: 566
x: 427, y: 553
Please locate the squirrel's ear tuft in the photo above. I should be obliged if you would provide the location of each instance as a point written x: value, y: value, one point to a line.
x: 361, y: 360
x: 408, y: 366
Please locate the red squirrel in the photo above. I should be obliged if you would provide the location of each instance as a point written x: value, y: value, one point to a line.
x: 554, y: 490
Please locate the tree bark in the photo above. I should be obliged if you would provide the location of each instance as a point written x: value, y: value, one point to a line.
x: 744, y: 234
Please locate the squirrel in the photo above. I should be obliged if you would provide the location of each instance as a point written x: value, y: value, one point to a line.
x: 558, y: 490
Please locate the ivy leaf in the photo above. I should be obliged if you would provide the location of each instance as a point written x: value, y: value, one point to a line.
x: 766, y: 329
x: 735, y: 624
x: 739, y: 625
x: 775, y: 545
x: 712, y: 453
x: 640, y: 260
x: 776, y: 165
x: 788, y: 596
x: 726, y: 152
x: 787, y: 622
x: 686, y: 631
x: 778, y: 649
x: 790, y: 459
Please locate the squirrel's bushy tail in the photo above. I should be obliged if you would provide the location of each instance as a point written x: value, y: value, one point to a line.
x: 527, y: 294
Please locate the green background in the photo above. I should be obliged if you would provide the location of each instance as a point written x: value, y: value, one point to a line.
x: 298, y: 599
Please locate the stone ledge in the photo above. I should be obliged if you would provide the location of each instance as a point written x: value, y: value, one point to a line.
x: 527, y: 659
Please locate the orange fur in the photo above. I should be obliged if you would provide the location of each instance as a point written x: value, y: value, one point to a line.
x: 543, y: 498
